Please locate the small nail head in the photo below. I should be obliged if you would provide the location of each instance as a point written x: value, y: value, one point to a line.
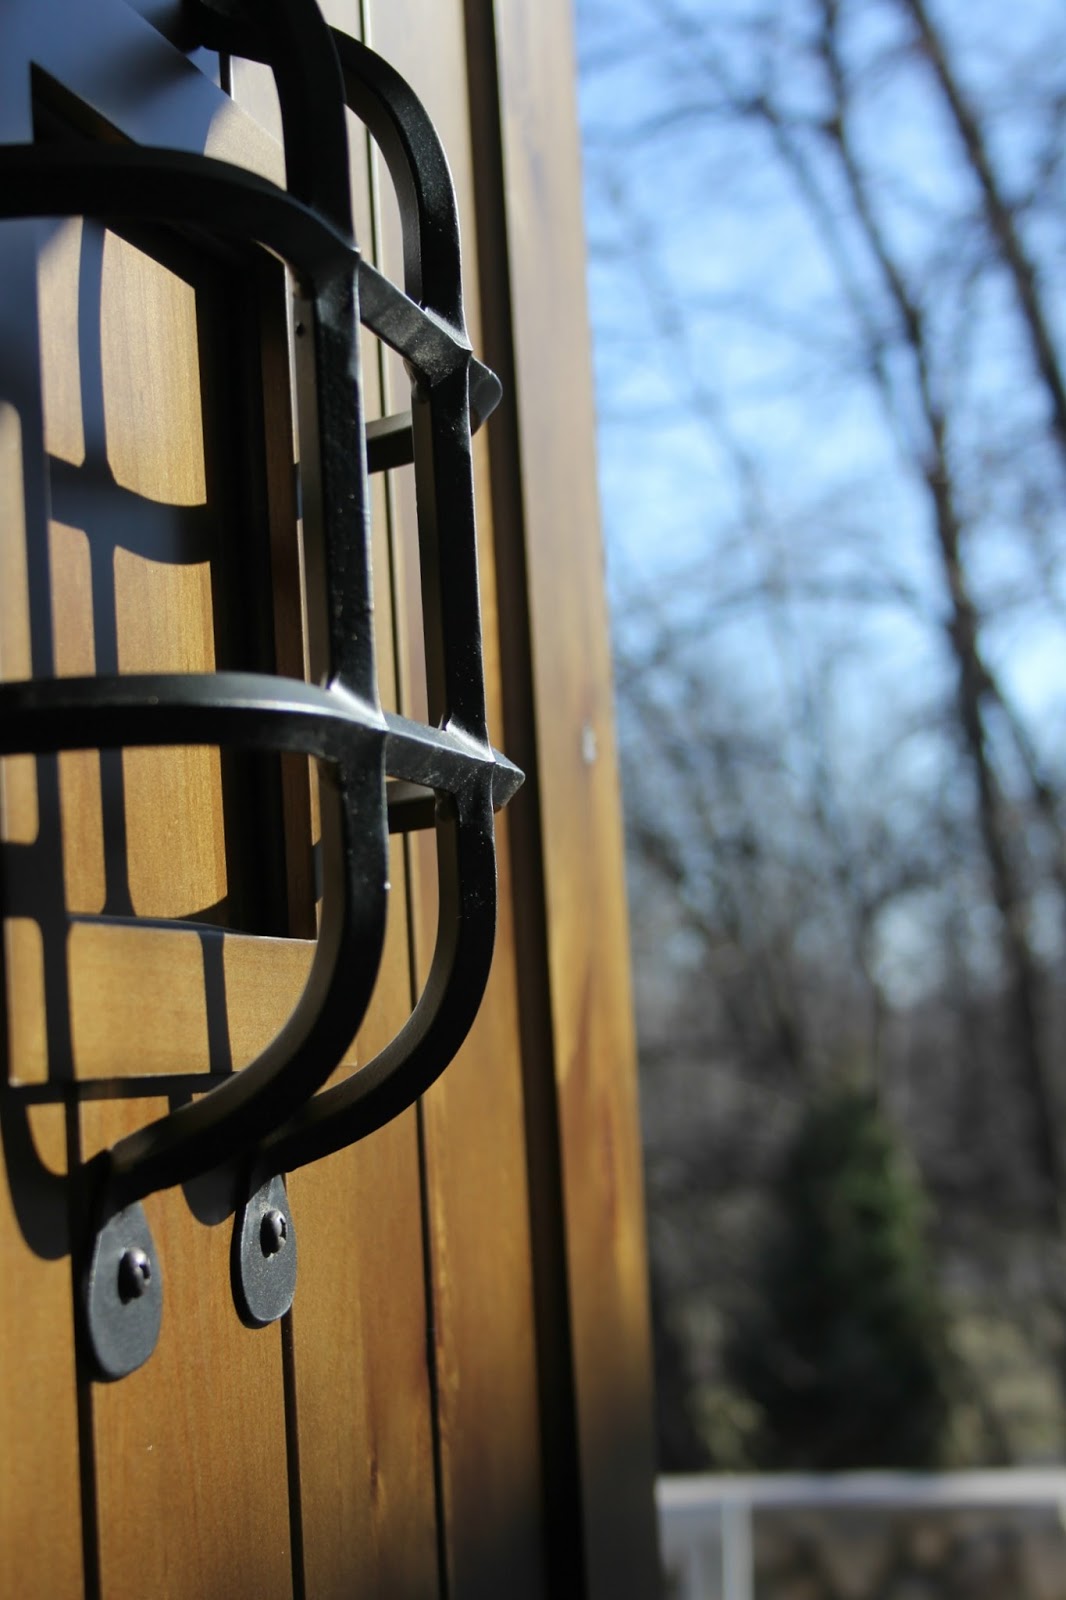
x: 273, y: 1231
x: 134, y: 1274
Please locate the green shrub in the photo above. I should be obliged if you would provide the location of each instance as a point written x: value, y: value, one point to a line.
x: 845, y: 1355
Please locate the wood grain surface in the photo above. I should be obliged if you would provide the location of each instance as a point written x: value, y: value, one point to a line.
x: 563, y: 729
x: 191, y: 1488
x: 18, y: 777
x: 40, y: 1512
x: 475, y: 1164
x: 180, y: 1469
x: 470, y: 1323
x: 361, y: 1382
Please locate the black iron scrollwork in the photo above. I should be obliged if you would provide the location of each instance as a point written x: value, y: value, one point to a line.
x: 267, y: 1119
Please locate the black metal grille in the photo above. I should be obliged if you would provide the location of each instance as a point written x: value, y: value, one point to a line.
x: 267, y: 1119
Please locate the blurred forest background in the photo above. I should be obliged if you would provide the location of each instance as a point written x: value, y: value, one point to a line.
x: 828, y: 285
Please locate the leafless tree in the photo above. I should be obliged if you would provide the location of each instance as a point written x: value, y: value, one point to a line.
x: 834, y: 858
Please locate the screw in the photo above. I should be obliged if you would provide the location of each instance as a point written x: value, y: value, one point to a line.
x: 134, y: 1275
x: 273, y: 1231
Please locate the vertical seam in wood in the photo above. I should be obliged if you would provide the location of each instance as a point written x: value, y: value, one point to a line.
x: 292, y: 1459
x: 560, y: 1454
x: 431, y: 1349
x: 90, y: 1533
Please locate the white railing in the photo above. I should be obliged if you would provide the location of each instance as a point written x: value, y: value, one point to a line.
x: 705, y: 1522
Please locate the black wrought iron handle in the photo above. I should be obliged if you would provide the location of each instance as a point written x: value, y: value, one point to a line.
x: 453, y: 393
x: 135, y: 183
x: 267, y: 1117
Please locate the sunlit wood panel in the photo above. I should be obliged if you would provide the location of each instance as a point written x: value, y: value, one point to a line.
x: 40, y: 1513
x: 18, y: 783
x: 191, y: 1486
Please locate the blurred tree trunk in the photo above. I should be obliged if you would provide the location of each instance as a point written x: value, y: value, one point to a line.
x: 870, y: 234
x: 1000, y: 216
x: 975, y: 681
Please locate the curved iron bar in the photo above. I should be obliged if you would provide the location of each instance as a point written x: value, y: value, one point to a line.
x: 441, y: 425
x: 253, y: 711
x: 247, y: 710
x: 142, y: 184
x: 386, y: 104
x: 342, y: 725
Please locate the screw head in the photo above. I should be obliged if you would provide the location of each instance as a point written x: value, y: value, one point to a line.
x: 273, y: 1231
x: 134, y: 1274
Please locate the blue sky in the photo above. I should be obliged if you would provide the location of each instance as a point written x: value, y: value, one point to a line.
x: 744, y: 452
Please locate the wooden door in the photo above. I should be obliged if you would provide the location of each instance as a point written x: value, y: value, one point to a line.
x: 458, y: 1401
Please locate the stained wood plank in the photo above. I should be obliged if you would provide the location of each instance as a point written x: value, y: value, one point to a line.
x: 57, y: 328
x: 40, y: 1516
x: 129, y: 415
x: 186, y: 1459
x: 80, y: 796
x: 191, y: 1484
x: 19, y: 819
x: 139, y: 997
x: 474, y: 1147
x: 571, y: 826
x: 192, y: 1446
x: 359, y: 1344
x: 150, y: 377
x: 209, y: 1405
x: 25, y: 1046
x: 163, y: 616
x: 360, y: 1377
x: 27, y: 1042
